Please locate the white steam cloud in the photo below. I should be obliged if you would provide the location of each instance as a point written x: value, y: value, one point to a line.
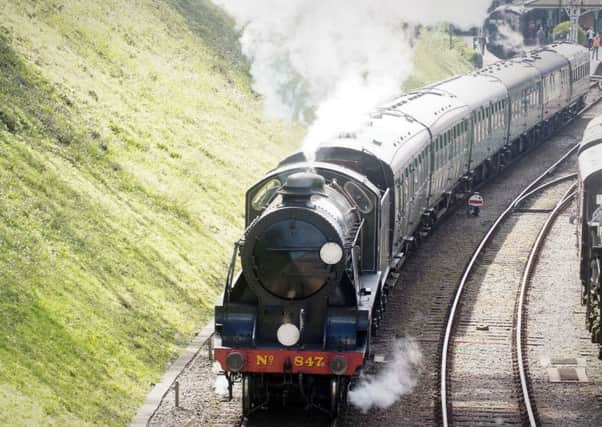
x: 329, y: 62
x: 220, y: 385
x: 396, y: 379
x: 512, y: 40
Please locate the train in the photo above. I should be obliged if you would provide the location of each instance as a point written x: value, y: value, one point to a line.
x: 510, y: 28
x: 504, y: 30
x: 590, y: 226
x: 324, y: 239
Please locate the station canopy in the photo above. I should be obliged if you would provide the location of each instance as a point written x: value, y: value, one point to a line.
x: 574, y: 8
x: 586, y: 4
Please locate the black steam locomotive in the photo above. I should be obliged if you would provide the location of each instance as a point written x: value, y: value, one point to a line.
x: 322, y: 238
x: 510, y: 29
x: 590, y: 230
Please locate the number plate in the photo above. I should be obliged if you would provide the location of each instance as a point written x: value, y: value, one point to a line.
x: 310, y: 362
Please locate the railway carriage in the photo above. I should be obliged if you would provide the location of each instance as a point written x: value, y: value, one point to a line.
x: 590, y: 229
x: 487, y: 100
x: 322, y: 238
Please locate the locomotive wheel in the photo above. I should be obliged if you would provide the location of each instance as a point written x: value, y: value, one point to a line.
x: 247, y: 394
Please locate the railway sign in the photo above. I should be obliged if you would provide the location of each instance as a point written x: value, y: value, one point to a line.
x: 476, y: 200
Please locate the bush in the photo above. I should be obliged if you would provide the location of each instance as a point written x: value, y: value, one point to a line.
x: 562, y: 30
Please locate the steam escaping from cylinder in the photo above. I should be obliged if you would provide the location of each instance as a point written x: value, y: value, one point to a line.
x: 397, y: 378
x: 328, y: 63
x: 220, y: 385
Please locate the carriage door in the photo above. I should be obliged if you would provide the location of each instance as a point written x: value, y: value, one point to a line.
x: 401, y: 213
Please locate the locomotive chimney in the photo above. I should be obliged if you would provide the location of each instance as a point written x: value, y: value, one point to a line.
x: 299, y: 187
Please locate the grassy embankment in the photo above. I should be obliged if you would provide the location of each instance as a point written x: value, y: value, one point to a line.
x: 434, y: 60
x: 128, y: 134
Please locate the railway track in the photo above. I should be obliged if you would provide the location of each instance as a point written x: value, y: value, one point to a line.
x: 484, y: 379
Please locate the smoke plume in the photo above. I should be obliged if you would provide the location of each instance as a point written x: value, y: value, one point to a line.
x: 220, y: 385
x: 329, y: 62
x: 396, y: 379
x: 512, y: 41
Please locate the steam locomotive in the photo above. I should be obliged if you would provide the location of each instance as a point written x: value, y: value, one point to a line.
x: 323, y: 238
x: 590, y: 229
x: 509, y: 28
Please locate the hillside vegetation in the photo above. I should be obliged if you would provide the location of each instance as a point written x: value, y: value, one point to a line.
x: 434, y: 60
x: 128, y: 135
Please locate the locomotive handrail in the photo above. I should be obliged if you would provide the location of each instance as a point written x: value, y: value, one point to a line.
x: 354, y: 257
x: 231, y: 268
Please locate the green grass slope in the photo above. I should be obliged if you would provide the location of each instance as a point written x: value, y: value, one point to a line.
x: 434, y: 60
x: 128, y: 135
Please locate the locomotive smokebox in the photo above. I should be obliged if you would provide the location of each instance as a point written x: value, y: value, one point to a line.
x: 297, y: 247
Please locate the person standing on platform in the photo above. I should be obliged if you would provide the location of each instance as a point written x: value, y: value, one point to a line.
x: 541, y: 36
x: 590, y: 37
x: 596, y: 46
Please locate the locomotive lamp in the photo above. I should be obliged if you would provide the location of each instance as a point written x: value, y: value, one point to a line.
x: 331, y: 253
x: 288, y: 334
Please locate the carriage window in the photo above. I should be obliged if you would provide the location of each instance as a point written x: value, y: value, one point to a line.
x: 400, y: 197
x: 359, y: 196
x: 265, y: 195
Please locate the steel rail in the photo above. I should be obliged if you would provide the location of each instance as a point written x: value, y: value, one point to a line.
x: 545, y: 185
x: 520, y: 310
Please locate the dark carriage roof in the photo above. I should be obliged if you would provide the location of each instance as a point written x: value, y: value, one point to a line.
x: 474, y: 89
x: 546, y: 60
x: 514, y: 73
x: 396, y: 128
